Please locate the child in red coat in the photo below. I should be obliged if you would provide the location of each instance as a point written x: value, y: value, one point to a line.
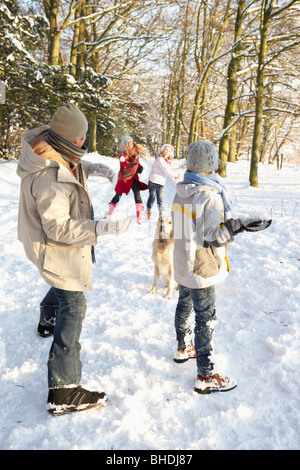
x: 128, y: 177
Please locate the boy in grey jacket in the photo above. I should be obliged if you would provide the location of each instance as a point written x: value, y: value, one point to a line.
x: 202, y: 225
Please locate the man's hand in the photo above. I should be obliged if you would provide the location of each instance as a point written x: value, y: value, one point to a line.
x: 99, y: 169
x: 111, y: 227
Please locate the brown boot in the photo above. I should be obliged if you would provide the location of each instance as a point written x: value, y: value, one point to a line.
x: 185, y: 355
x: 213, y: 383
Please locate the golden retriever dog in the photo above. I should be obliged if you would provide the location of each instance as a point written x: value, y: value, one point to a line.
x: 162, y: 255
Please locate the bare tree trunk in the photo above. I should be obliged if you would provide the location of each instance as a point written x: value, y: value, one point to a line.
x: 75, y: 40
x: 52, y: 8
x: 267, y: 6
x: 225, y: 148
x: 283, y: 141
x: 242, y: 132
x: 80, y: 57
x: 181, y: 83
x: 232, y: 145
x: 163, y: 119
x: 92, y: 140
x: 54, y: 35
x: 204, y: 69
x: 267, y: 13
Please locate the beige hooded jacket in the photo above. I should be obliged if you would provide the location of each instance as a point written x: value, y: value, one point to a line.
x: 54, y: 222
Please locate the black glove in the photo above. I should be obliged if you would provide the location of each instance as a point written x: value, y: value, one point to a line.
x: 236, y: 226
x: 133, y: 163
x: 140, y: 169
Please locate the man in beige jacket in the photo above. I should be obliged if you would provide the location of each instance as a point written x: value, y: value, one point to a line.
x: 58, y: 232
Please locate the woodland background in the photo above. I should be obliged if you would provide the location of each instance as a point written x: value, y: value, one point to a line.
x: 159, y: 70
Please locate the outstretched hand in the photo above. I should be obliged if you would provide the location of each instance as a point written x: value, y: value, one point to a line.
x: 239, y: 225
x: 112, y: 227
x: 257, y: 224
x: 99, y: 169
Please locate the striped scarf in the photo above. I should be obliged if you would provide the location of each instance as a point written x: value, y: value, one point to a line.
x: 72, y: 156
x: 70, y: 153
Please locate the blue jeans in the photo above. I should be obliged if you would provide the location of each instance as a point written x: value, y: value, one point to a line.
x: 158, y: 191
x: 64, y: 365
x: 203, y: 303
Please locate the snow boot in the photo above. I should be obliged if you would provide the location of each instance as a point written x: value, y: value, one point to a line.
x: 47, y: 321
x: 111, y: 208
x: 185, y: 348
x: 213, y: 383
x: 67, y: 400
x: 139, y: 210
x: 184, y: 355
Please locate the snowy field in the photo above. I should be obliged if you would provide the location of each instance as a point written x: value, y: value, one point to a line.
x: 128, y: 337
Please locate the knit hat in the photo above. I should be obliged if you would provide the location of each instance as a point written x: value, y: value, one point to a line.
x: 125, y: 139
x: 202, y: 157
x: 166, y: 147
x: 69, y: 123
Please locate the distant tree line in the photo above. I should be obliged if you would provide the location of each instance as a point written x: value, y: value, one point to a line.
x: 159, y: 70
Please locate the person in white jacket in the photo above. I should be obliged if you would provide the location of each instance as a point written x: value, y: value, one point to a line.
x: 202, y: 227
x: 161, y: 168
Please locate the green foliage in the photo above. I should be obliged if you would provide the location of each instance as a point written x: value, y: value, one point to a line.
x: 20, y: 37
x: 34, y: 89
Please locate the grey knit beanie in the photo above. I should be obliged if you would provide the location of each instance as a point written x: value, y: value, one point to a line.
x: 202, y: 156
x: 69, y: 123
x: 125, y: 139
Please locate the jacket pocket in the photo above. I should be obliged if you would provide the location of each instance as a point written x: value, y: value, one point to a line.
x: 207, y: 262
x: 63, y: 260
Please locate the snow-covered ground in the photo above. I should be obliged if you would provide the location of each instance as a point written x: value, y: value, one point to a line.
x: 128, y: 336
